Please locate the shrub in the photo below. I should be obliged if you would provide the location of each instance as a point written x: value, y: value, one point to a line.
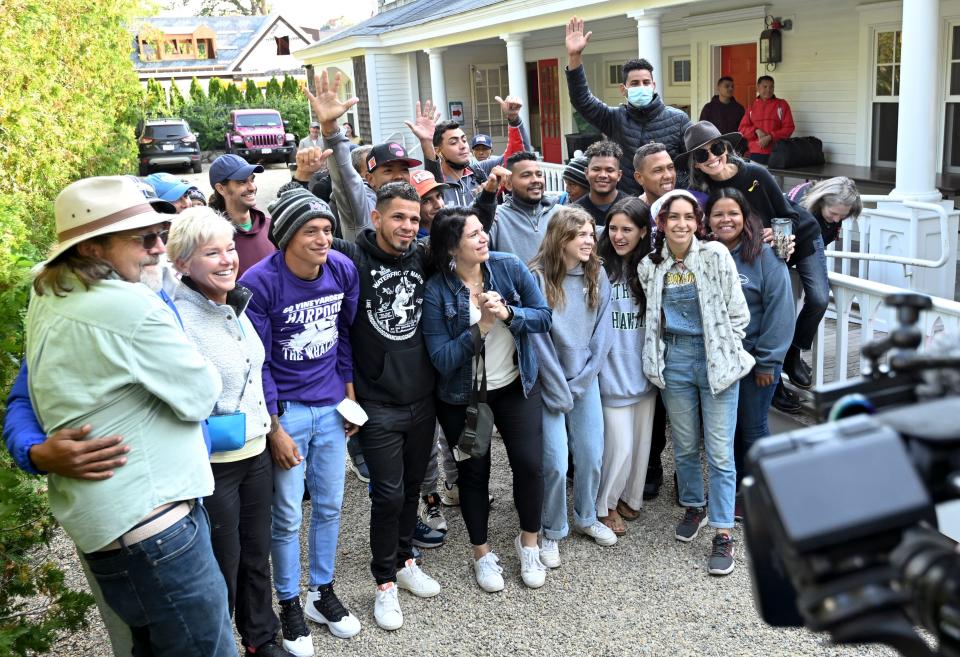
x: 196, y: 92
x: 273, y: 90
x: 252, y: 95
x: 176, y: 99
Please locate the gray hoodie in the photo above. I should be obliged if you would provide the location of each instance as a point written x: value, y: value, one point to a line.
x: 622, y: 381
x: 354, y: 199
x: 519, y: 227
x: 571, y: 355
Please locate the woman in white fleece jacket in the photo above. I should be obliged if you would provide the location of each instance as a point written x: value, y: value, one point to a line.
x: 696, y: 315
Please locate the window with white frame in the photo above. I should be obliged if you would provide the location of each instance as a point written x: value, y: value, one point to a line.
x: 679, y: 70
x: 951, y: 132
x: 489, y: 82
x: 886, y: 97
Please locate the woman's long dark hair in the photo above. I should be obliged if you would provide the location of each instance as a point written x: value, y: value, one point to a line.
x: 445, y: 233
x: 701, y: 181
x: 626, y: 267
x: 751, y: 239
x: 656, y: 256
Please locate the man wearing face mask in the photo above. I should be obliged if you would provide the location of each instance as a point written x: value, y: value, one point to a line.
x: 643, y: 118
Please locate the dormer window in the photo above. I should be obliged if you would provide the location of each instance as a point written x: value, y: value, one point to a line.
x: 155, y: 45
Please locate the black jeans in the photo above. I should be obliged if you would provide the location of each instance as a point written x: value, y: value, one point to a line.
x: 658, y: 437
x: 239, y: 511
x: 520, y: 422
x: 396, y: 442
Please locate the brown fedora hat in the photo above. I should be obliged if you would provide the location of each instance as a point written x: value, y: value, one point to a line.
x: 99, y: 206
x: 702, y: 133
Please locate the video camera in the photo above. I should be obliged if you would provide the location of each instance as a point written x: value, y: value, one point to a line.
x: 840, y: 518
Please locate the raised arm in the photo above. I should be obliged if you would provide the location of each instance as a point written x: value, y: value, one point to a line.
x: 423, y: 126
x: 518, y: 137
x: 594, y: 110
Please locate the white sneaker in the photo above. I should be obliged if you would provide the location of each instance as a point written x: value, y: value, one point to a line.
x: 488, y: 572
x: 549, y: 552
x: 450, y: 495
x: 386, y: 610
x: 331, y: 612
x: 411, y: 578
x: 600, y: 533
x: 532, y: 570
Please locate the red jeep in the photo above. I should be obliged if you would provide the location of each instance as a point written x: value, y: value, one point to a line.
x: 260, y: 135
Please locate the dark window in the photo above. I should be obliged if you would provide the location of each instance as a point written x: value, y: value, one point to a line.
x: 166, y: 131
x: 884, y: 151
x: 283, y: 45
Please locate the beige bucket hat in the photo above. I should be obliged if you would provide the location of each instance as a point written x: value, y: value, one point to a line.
x: 99, y: 206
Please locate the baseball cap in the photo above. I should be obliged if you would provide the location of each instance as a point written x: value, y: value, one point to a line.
x: 425, y: 182
x: 231, y: 167
x: 167, y: 187
x: 314, y: 124
x: 389, y: 152
x: 161, y: 206
x: 481, y: 140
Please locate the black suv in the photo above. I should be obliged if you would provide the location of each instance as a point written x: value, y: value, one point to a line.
x: 167, y: 143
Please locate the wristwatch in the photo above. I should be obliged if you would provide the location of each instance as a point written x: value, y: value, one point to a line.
x: 509, y: 318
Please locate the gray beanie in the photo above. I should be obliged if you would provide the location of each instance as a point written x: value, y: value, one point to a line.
x: 294, y: 207
x: 576, y: 171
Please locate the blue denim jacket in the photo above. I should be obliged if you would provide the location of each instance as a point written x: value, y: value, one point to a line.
x: 446, y: 323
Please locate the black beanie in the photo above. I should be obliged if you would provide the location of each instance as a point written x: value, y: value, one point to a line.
x: 292, y: 209
x: 576, y: 171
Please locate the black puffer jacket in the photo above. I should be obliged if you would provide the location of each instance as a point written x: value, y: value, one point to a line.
x: 628, y: 126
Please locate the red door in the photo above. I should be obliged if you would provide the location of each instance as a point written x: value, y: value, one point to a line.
x: 549, y: 93
x: 740, y: 63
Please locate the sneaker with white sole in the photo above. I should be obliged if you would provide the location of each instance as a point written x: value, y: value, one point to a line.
x: 425, y: 536
x: 430, y: 513
x: 694, y: 517
x: 324, y: 607
x: 720, y: 561
x: 532, y: 571
x: 549, y: 552
x: 411, y: 578
x: 600, y: 533
x: 296, y: 636
x: 386, y: 608
x: 450, y: 495
x: 489, y: 573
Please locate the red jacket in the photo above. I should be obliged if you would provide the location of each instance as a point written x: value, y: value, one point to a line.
x: 773, y: 117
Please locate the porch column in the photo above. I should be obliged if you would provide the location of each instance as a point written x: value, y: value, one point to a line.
x: 517, y: 72
x: 920, y: 70
x: 648, y: 41
x: 438, y: 87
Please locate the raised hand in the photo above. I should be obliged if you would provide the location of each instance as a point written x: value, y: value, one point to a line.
x: 576, y: 40
x: 498, y: 176
x: 424, y: 121
x: 510, y: 106
x: 309, y: 161
x: 327, y: 106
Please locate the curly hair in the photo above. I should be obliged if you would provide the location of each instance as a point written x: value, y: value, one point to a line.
x: 549, y: 262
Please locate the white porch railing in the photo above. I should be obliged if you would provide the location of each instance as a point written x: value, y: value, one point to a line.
x: 552, y: 177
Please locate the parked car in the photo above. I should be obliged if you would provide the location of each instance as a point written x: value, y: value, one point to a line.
x: 260, y: 135
x: 167, y: 143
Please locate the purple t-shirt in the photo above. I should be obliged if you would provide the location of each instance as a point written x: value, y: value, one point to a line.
x: 305, y: 329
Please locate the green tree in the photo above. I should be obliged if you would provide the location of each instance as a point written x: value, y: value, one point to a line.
x: 156, y: 99
x: 273, y: 90
x: 72, y: 61
x: 176, y: 99
x: 197, y: 95
x: 290, y: 87
x: 232, y: 96
x: 226, y: 7
x: 252, y: 94
x: 215, y: 90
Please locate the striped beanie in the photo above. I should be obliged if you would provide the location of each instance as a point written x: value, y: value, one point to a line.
x: 293, y: 208
x: 576, y: 171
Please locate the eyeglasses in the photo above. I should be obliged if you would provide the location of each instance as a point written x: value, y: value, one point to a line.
x: 149, y: 240
x: 701, y: 155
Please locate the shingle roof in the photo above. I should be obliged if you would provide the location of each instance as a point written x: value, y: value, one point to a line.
x: 234, y: 34
x: 414, y: 13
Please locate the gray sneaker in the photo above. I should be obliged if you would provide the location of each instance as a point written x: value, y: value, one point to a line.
x: 694, y: 518
x: 721, y: 555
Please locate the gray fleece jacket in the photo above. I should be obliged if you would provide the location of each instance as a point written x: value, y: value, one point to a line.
x: 519, y: 227
x: 352, y: 196
x: 571, y: 354
x: 723, y: 311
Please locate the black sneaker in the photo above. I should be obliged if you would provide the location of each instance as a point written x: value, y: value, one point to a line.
x: 268, y: 650
x: 426, y: 536
x: 694, y: 517
x: 296, y: 636
x: 721, y: 555
x: 785, y: 401
x: 324, y: 607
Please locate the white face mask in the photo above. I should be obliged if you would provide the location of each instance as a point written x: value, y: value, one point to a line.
x: 639, y: 96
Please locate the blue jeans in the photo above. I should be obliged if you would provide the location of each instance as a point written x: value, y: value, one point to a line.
x: 318, y: 434
x: 752, y: 417
x: 169, y: 590
x: 687, y: 395
x: 579, y: 432
x: 816, y: 295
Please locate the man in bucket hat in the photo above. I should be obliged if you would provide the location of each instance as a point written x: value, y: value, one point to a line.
x: 104, y: 351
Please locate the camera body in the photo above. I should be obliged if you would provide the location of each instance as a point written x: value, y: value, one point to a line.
x: 840, y: 517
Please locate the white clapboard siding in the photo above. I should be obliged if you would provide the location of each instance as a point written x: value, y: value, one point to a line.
x: 394, y: 101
